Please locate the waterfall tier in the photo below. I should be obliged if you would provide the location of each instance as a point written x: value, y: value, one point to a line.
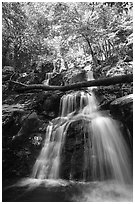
x: 83, y: 144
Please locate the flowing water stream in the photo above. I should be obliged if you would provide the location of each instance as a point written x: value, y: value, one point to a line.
x: 106, y: 154
x: 106, y: 166
x: 47, y: 78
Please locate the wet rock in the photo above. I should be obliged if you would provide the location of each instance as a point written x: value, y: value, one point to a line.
x: 122, y: 109
x: 30, y: 124
x: 21, y: 151
x: 74, y: 76
x: 123, y: 101
x: 51, y: 105
x: 11, y: 116
x: 57, y: 80
x: 72, y: 159
x: 79, y: 77
x: 17, y: 163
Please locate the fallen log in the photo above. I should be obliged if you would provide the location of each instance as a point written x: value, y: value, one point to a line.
x: 19, y: 87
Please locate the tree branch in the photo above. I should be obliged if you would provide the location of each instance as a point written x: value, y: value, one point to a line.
x: 19, y: 87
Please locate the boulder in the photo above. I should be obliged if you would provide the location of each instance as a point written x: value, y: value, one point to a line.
x: 30, y: 124
x: 11, y: 116
x: 57, y: 80
x: 51, y: 105
x: 23, y: 137
x: 123, y: 101
x: 79, y: 77
x: 73, y: 152
x: 122, y: 109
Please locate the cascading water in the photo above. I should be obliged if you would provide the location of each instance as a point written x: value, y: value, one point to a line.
x: 104, y: 159
x: 47, y: 78
x: 105, y: 151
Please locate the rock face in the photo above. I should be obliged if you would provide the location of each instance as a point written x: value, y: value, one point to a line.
x: 57, y: 80
x: 74, y: 164
x: 30, y: 125
x: 23, y: 133
x: 74, y: 76
x: 80, y: 77
x: 122, y: 109
x: 11, y: 118
x: 73, y: 153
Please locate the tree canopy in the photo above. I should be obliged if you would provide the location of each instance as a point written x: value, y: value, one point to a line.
x: 39, y: 31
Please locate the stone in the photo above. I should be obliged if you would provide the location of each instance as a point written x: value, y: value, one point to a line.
x: 56, y: 80
x: 123, y: 101
x: 79, y: 77
x: 122, y: 110
x: 30, y: 125
x: 72, y: 156
x: 11, y: 117
x: 7, y: 69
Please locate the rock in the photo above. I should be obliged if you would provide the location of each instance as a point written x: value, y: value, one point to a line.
x: 21, y: 151
x: 74, y: 75
x: 45, y: 66
x: 51, y: 105
x: 57, y: 80
x: 8, y: 69
x: 79, y: 77
x: 31, y: 124
x: 72, y: 159
x: 122, y: 109
x: 11, y: 116
x: 123, y: 101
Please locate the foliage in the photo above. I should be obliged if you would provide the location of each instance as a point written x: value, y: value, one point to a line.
x: 13, y: 26
x: 33, y: 31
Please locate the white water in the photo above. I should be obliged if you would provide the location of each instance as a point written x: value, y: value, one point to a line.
x: 106, y: 191
x: 106, y: 154
x: 47, y: 78
x: 47, y: 164
x: 103, y: 191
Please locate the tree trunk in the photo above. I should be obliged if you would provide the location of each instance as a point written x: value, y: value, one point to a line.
x: 91, y: 51
x: 19, y: 87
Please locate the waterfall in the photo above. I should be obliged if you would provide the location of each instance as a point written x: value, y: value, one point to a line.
x: 106, y: 154
x: 47, y: 165
x: 47, y: 78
